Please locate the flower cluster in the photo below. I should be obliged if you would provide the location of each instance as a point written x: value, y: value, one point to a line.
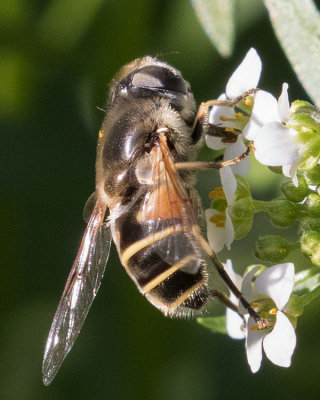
x: 282, y: 136
x: 269, y: 293
x: 286, y: 138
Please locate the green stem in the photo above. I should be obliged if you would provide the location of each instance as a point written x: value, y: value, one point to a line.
x: 259, y: 205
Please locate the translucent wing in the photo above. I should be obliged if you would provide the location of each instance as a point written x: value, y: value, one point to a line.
x: 80, y: 290
x: 167, y: 214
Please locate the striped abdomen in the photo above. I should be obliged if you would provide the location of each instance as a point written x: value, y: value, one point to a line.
x: 158, y: 275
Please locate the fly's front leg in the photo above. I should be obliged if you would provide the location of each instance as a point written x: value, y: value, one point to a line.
x: 214, y: 164
x: 202, y: 126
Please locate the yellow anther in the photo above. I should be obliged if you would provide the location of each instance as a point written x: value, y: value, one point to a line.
x: 217, y: 219
x: 273, y: 311
x: 217, y: 193
x: 220, y: 225
x: 282, y: 251
x: 229, y: 129
x: 101, y: 133
x: 224, y: 118
x: 238, y: 114
x: 254, y: 328
x: 255, y: 304
x: 248, y: 102
x: 220, y: 217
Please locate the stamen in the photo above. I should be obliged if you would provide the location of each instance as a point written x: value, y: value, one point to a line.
x: 224, y: 118
x: 238, y: 114
x: 220, y: 217
x: 248, y: 102
x: 254, y: 328
x: 255, y: 304
x: 101, y: 133
x: 229, y: 129
x: 217, y: 218
x: 273, y: 311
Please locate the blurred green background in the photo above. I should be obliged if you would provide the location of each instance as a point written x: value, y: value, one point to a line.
x: 56, y: 59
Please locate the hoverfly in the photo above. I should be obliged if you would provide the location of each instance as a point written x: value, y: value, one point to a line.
x: 145, y: 177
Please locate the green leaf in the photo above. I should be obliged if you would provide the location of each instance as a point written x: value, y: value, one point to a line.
x: 216, y: 18
x: 297, y: 26
x: 309, y: 297
x: 215, y: 324
x: 295, y: 306
x: 243, y: 188
x: 307, y: 281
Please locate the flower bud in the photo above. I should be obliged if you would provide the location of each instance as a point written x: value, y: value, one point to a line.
x: 312, y: 205
x: 293, y: 193
x: 301, y: 106
x: 311, y: 154
x: 282, y: 212
x: 241, y: 213
x: 272, y: 248
x: 305, y: 114
x: 310, y: 244
x: 313, y: 176
x: 309, y: 224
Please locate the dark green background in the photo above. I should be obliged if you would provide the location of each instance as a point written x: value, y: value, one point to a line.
x: 56, y: 59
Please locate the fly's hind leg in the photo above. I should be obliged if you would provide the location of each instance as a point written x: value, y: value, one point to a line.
x: 261, y: 322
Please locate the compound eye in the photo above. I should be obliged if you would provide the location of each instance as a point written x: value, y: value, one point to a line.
x: 155, y: 77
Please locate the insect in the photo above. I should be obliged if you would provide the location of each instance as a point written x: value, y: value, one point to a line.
x: 145, y: 178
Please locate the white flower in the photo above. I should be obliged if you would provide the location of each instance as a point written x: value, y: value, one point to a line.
x: 234, y: 322
x: 244, y: 78
x: 275, y: 283
x: 220, y: 230
x: 276, y: 143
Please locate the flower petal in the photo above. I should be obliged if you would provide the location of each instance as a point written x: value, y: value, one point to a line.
x: 249, y: 293
x: 229, y: 183
x: 216, y: 236
x: 277, y: 145
x: 290, y: 170
x: 280, y: 343
x: 234, y: 325
x: 254, y: 345
x: 246, y: 76
x: 215, y: 142
x: 283, y: 103
x: 235, y: 150
x: 236, y: 278
x: 229, y: 231
x: 217, y: 111
x: 265, y: 109
x: 277, y: 283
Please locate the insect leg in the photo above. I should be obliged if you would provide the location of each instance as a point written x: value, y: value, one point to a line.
x: 214, y: 164
x: 202, y: 126
x: 261, y: 322
x: 225, y: 300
